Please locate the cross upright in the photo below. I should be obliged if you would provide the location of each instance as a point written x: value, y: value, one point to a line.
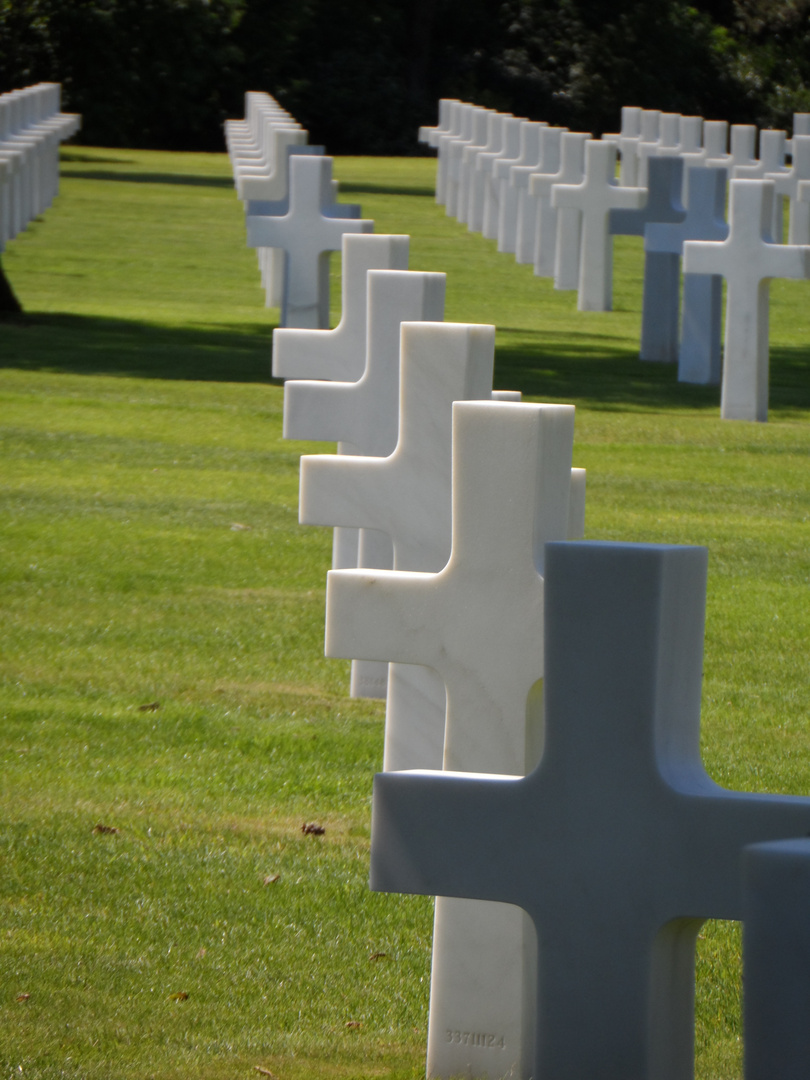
x: 618, y: 845
x: 471, y: 622
x: 307, y: 235
x: 595, y: 197
x: 340, y: 354
x: 570, y: 171
x: 699, y: 353
x: 748, y: 260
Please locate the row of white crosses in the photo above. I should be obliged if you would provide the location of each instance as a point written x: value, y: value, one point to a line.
x: 563, y: 201
x: 293, y: 217
x: 32, y: 126
x: 572, y: 837
x: 429, y: 471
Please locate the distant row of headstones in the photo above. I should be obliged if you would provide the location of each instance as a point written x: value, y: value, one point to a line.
x: 552, y: 197
x: 293, y: 216
x: 31, y: 129
x: 549, y: 692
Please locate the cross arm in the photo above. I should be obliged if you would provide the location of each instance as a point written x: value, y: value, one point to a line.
x: 567, y: 196
x: 319, y: 410
x: 627, y: 198
x: 727, y: 822
x: 786, y: 261
x: 380, y: 615
x: 442, y: 834
x: 342, y: 490
x: 267, y: 231
x: 705, y: 257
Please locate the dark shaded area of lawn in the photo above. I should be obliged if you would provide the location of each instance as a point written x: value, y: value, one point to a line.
x: 91, y: 345
x: 572, y: 366
x: 595, y: 371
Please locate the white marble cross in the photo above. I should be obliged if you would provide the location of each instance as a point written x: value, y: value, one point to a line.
x: 786, y: 185
x: 520, y: 177
x: 772, y: 150
x: 630, y: 125
x: 340, y: 354
x: 307, y: 235
x: 507, y: 209
x: 647, y: 132
x: 662, y: 276
x: 269, y: 181
x: 595, y: 197
x: 471, y: 621
x: 430, y: 135
x: 362, y: 417
x: 667, y: 139
x: 699, y: 354
x: 747, y: 259
x: 570, y: 171
x: 407, y: 496
x: 619, y: 844
x: 479, y: 119
x: 460, y: 121
x: 488, y: 163
x: 471, y: 186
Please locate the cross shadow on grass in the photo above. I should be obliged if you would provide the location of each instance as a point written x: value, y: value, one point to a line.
x: 349, y: 188
x: 90, y: 345
x: 596, y: 371
x: 566, y: 366
x: 188, y: 179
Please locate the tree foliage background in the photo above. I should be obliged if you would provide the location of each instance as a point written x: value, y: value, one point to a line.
x: 362, y: 74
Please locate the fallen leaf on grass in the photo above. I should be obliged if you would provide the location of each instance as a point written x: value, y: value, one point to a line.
x: 378, y: 955
x: 201, y: 953
x: 181, y: 995
x: 23, y: 997
x: 153, y: 706
x: 312, y: 829
x: 237, y: 526
x: 104, y: 829
x: 271, y: 879
x: 354, y: 1024
x: 265, y: 1072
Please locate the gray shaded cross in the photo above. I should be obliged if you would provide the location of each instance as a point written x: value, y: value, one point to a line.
x: 619, y: 844
x: 699, y: 355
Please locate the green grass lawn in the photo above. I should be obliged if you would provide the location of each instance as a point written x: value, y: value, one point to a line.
x: 161, y: 667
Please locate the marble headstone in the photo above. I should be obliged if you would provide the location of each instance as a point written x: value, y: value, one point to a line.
x: 747, y: 259
x: 306, y: 235
x: 618, y: 845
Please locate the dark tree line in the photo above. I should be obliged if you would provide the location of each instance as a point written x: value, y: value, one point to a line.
x: 362, y: 74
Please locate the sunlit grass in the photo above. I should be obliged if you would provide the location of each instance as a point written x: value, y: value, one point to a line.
x: 161, y: 667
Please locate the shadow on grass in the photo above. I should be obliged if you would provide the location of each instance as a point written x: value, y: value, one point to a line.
x: 571, y: 366
x: 88, y: 345
x: 595, y: 371
x: 93, y: 159
x: 188, y: 179
x: 349, y: 188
